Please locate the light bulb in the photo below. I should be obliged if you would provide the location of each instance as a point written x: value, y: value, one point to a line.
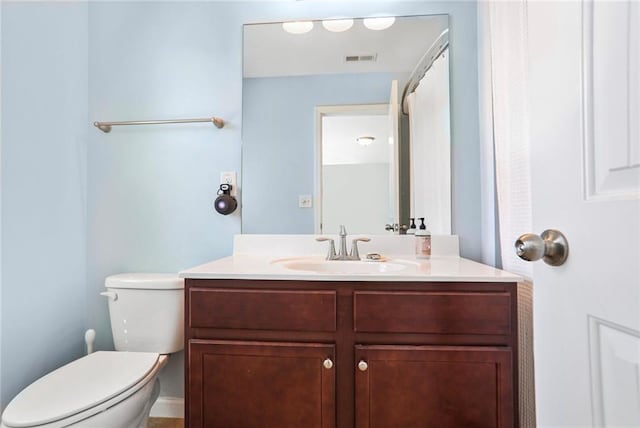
x: 297, y: 27
x: 365, y: 141
x: 378, y: 24
x: 337, y: 25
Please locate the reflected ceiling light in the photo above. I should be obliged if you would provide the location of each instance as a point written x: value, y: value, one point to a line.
x: 378, y: 24
x: 337, y: 25
x: 297, y: 27
x: 365, y: 140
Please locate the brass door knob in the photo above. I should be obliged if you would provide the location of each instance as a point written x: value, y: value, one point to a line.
x: 551, y: 246
x: 363, y: 366
x: 327, y: 363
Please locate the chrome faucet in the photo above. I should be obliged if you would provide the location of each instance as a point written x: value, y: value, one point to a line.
x: 342, y: 252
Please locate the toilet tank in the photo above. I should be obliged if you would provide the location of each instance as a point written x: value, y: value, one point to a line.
x: 146, y: 311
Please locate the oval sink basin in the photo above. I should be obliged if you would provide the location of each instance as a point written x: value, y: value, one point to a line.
x: 340, y: 266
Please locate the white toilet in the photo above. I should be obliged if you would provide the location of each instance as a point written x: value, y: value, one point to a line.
x: 112, y: 389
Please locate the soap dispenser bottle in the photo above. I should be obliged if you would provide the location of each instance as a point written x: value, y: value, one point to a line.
x: 423, y: 241
x: 412, y: 227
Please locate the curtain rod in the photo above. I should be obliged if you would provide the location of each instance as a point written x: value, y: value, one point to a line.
x: 106, y: 126
x: 433, y: 53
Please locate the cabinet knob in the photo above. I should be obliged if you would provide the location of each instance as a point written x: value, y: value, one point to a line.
x: 327, y: 363
x: 363, y: 366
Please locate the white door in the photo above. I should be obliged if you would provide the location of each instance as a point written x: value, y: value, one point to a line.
x: 584, y: 117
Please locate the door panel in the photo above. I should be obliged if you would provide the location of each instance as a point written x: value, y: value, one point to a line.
x: 428, y: 386
x: 262, y: 309
x: 432, y: 312
x: 261, y: 385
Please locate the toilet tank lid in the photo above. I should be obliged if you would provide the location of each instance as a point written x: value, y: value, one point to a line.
x: 145, y: 281
x: 78, y: 386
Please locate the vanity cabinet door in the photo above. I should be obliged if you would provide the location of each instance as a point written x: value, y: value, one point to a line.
x: 261, y: 384
x: 433, y: 386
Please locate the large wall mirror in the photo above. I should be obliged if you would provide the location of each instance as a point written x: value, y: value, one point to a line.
x: 346, y: 122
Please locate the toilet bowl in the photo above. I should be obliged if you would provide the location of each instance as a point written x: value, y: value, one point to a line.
x: 111, y: 389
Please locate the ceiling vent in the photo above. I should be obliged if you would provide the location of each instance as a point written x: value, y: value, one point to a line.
x: 360, y: 58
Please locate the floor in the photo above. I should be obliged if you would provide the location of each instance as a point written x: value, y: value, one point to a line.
x: 165, y: 423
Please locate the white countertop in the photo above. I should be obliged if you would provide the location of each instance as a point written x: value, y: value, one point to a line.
x: 266, y: 256
x: 438, y: 268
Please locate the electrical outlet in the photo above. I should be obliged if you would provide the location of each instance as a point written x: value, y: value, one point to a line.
x: 229, y: 177
x: 305, y: 201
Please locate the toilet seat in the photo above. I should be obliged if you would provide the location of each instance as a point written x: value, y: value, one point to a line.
x: 82, y: 388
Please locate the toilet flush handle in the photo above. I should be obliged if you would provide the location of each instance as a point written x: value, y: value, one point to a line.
x: 110, y: 294
x: 90, y: 340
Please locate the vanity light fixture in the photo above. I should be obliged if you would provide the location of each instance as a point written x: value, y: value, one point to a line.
x: 297, y: 27
x: 365, y: 140
x: 378, y: 24
x: 337, y: 25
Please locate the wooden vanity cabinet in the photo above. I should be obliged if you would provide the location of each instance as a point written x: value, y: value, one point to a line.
x: 350, y: 354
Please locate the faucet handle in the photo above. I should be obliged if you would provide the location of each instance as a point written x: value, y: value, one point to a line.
x: 331, y: 255
x: 343, y: 231
x: 355, y: 255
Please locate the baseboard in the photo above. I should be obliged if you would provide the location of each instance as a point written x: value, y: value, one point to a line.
x: 168, y: 407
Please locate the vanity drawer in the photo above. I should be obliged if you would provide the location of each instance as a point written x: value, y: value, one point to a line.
x: 432, y: 312
x: 262, y: 309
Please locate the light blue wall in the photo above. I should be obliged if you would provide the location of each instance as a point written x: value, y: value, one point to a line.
x: 151, y: 189
x: 279, y: 119
x: 1, y: 401
x: 44, y: 124
x: 490, y: 231
x: 148, y: 191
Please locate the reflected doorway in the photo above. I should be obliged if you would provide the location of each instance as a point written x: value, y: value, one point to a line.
x: 356, y: 169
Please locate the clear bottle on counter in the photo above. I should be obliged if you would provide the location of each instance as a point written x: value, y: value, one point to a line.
x: 423, y: 241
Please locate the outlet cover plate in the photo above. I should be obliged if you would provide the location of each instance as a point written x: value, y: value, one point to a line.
x: 230, y: 177
x: 305, y: 201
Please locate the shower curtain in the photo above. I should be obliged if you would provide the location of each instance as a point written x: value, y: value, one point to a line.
x: 504, y: 92
x: 430, y: 148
